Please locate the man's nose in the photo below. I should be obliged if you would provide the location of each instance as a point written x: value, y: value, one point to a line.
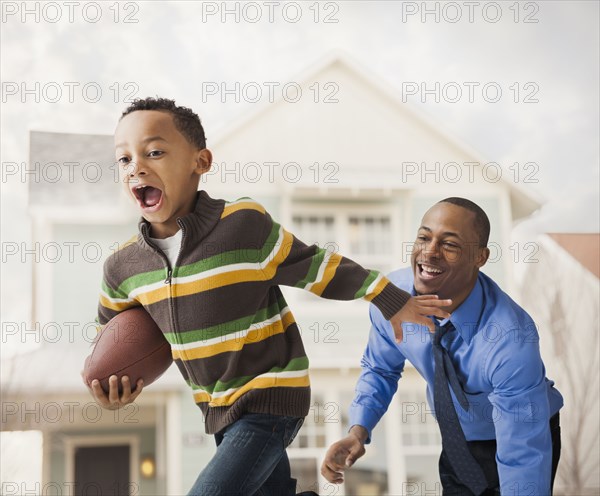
x: 432, y: 249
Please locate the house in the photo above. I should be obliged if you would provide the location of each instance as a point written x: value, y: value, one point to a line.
x: 561, y: 290
x: 353, y: 171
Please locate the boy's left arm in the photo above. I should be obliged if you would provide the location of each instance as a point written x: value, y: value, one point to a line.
x: 331, y: 275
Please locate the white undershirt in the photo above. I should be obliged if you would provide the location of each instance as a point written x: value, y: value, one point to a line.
x: 170, y: 246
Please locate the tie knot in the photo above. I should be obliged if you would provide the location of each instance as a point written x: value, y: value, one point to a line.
x: 440, y: 331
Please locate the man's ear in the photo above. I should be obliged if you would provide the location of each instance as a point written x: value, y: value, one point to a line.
x: 482, y: 258
x: 203, y: 161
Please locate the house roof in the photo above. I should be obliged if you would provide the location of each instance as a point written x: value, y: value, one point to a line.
x: 583, y: 247
x: 72, y: 169
x: 523, y: 202
x: 92, y: 179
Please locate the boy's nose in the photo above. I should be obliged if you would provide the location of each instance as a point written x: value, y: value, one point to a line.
x: 136, y: 168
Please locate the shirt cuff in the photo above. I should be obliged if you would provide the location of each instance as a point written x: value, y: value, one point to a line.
x: 390, y: 300
x: 364, y: 417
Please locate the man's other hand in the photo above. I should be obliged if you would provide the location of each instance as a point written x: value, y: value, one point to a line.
x: 342, y: 454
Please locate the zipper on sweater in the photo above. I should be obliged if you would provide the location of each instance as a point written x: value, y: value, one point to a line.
x: 168, y: 281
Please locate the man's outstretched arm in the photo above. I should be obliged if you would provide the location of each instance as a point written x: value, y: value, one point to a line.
x: 382, y: 365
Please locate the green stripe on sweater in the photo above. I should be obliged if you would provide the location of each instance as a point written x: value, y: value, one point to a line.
x: 313, y: 270
x: 226, y: 328
x: 295, y: 364
x: 363, y: 289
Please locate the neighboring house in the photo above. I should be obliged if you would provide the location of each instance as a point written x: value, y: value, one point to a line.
x: 561, y: 290
x: 356, y: 190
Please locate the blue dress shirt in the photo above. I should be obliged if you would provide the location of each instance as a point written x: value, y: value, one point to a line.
x: 495, y: 351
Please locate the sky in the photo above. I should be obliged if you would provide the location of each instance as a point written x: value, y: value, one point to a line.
x: 543, y: 56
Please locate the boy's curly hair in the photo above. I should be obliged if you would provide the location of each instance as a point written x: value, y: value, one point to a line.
x: 186, y: 120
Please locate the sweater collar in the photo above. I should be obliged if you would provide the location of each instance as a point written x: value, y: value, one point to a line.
x: 196, y: 224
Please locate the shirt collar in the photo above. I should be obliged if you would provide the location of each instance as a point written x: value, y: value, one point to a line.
x: 466, y: 317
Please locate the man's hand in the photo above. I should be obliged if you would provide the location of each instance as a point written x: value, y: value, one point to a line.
x: 111, y: 401
x: 417, y: 310
x: 343, y: 454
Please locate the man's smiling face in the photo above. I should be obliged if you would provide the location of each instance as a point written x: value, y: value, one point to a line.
x: 159, y: 168
x: 446, y: 256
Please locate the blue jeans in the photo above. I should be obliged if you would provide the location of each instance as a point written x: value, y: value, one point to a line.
x: 251, y: 458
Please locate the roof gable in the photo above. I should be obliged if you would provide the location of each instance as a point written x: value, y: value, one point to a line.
x: 360, y: 123
x: 583, y: 247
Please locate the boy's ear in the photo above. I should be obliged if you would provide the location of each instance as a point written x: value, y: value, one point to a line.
x: 203, y: 161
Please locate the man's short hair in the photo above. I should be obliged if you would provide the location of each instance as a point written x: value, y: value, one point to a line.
x: 482, y: 223
x: 185, y: 119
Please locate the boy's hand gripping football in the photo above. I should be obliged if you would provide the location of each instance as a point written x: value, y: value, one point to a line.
x: 112, y: 401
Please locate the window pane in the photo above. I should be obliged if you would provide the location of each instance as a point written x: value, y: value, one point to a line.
x: 419, y: 427
x: 314, y: 229
x: 312, y: 433
x: 370, y: 235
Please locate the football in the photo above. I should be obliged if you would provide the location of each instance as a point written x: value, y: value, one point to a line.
x: 130, y: 344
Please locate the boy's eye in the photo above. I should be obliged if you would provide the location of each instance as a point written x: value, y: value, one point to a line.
x: 123, y: 160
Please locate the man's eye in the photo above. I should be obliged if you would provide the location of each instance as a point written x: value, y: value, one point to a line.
x: 421, y: 238
x: 450, y: 245
x: 155, y: 153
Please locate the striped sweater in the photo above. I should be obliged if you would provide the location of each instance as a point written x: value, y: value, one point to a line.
x: 232, y: 334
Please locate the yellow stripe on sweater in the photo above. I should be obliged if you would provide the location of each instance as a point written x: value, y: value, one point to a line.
x: 279, y: 257
x: 258, y: 383
x: 217, y: 281
x: 118, y: 306
x: 130, y: 241
x: 332, y: 264
x: 234, y: 344
x: 245, y: 205
x: 378, y: 289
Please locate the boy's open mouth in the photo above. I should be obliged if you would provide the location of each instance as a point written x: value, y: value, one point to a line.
x: 149, y: 198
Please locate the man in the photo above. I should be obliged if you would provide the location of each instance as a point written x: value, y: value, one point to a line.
x: 497, y: 412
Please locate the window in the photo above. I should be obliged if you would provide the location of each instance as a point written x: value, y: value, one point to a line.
x: 313, y: 431
x: 369, y: 235
x: 321, y: 428
x: 419, y: 427
x: 314, y: 229
x: 364, y: 233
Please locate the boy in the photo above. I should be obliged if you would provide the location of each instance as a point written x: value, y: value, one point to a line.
x: 208, y: 272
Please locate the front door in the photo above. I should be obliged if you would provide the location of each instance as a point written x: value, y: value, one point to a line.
x: 102, y: 470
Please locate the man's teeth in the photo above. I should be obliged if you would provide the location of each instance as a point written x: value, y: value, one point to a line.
x: 427, y: 268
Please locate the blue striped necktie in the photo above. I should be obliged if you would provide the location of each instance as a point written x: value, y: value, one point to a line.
x: 467, y: 469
